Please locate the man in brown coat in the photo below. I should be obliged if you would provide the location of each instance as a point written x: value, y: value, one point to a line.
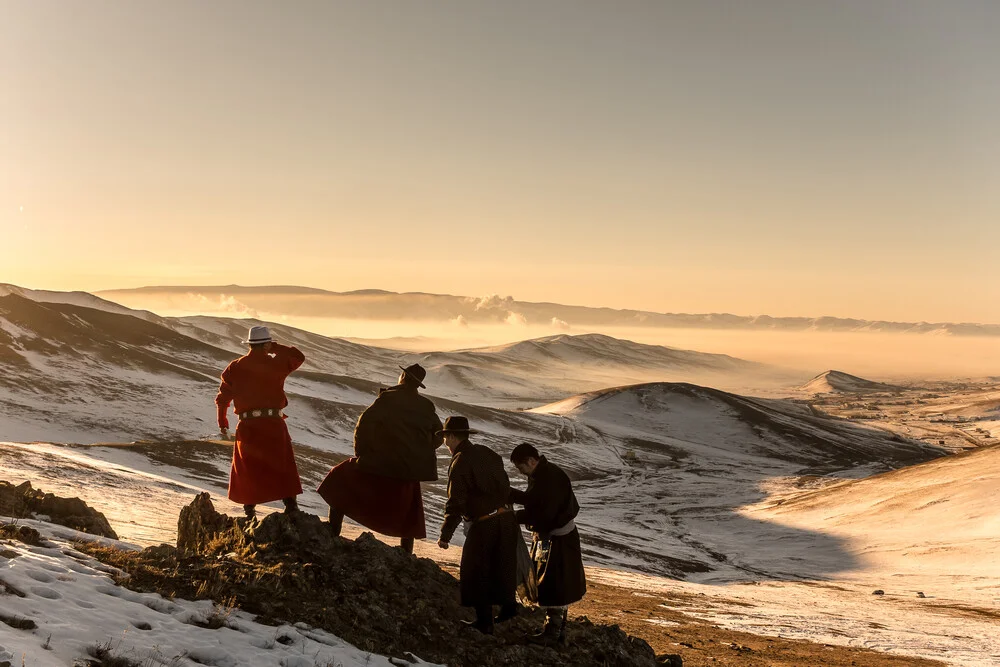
x: 395, y: 448
x: 478, y: 488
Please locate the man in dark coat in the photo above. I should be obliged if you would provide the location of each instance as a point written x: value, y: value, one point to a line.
x: 550, y: 508
x: 478, y: 488
x: 395, y: 444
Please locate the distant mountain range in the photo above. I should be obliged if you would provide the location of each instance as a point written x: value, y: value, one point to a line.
x: 384, y: 305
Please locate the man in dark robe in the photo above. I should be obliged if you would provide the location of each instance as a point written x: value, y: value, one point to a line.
x: 478, y: 488
x: 395, y: 445
x: 263, y: 466
x: 550, y: 508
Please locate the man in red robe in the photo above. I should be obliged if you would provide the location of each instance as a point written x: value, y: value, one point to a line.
x: 395, y: 445
x: 263, y: 462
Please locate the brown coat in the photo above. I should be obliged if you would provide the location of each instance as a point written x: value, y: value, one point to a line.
x: 396, y: 436
x: 478, y: 485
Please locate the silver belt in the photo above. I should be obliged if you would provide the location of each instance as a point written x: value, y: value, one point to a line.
x: 262, y: 412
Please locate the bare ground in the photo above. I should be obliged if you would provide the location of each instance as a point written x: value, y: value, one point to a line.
x: 701, y: 643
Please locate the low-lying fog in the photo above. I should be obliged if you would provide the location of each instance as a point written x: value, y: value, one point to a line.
x: 882, y: 355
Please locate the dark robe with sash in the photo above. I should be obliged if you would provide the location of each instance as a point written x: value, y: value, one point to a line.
x: 550, y: 505
x: 478, y: 488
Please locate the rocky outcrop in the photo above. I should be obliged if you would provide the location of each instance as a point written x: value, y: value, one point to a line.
x: 23, y: 501
x: 199, y: 523
x: 290, y: 568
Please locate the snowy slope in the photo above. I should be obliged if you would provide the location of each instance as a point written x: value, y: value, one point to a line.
x: 84, y: 299
x: 918, y: 522
x: 76, y: 606
x: 543, y: 369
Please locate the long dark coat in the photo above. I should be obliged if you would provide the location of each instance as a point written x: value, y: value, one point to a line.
x: 549, y: 504
x: 396, y: 436
x: 477, y: 486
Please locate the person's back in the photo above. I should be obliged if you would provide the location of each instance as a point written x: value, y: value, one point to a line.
x: 395, y: 443
x: 550, y: 510
x: 396, y: 435
x: 263, y: 467
x: 478, y: 488
x: 549, y: 502
x: 486, y: 480
x: 257, y: 379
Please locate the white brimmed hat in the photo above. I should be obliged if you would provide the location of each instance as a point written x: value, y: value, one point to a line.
x: 258, y: 335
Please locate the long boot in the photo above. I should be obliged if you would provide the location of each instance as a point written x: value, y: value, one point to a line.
x: 484, y: 619
x: 291, y: 505
x: 407, y: 544
x: 336, y: 522
x: 562, y: 626
x: 555, y: 626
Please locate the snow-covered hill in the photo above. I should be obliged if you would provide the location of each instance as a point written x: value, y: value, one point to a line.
x: 542, y: 369
x: 523, y: 374
x: 918, y: 523
x: 831, y: 382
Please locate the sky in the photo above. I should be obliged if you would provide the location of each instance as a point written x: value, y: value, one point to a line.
x: 787, y: 158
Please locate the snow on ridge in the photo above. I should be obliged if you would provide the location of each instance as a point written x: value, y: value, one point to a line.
x: 840, y: 382
x: 77, y: 298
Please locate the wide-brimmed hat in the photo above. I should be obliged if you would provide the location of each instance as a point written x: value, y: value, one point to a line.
x: 258, y: 335
x: 456, y: 425
x: 417, y: 372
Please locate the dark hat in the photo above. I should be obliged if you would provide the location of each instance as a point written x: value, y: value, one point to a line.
x: 523, y: 452
x: 456, y: 425
x: 417, y: 372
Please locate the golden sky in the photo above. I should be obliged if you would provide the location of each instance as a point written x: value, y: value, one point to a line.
x: 769, y: 157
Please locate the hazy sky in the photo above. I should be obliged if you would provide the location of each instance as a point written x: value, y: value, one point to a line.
x: 790, y: 158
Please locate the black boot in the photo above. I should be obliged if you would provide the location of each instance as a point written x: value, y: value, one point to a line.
x: 484, y: 620
x: 554, y: 630
x: 407, y: 544
x: 291, y: 505
x: 336, y: 522
x: 508, y: 611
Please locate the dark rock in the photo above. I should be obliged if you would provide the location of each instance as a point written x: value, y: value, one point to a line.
x: 199, y: 523
x: 24, y: 501
x: 920, y: 594
x: 21, y: 534
x: 878, y: 592
x: 18, y: 622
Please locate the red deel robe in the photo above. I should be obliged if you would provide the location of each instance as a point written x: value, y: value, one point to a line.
x: 263, y: 463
